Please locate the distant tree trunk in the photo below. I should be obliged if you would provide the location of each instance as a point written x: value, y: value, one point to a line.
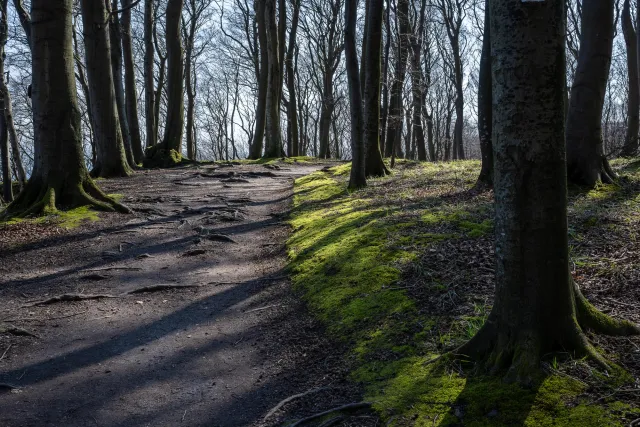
x: 7, y: 188
x: 292, y: 110
x: 537, y: 309
x: 59, y: 177
x: 175, y: 78
x: 188, y: 73
x: 131, y: 94
x: 393, y: 143
x: 111, y: 157
x: 273, y: 133
x: 586, y: 161
x: 374, y: 164
x: 149, y: 85
x: 485, y: 106
x: 357, y: 178
x: 263, y: 82
x: 5, y: 95
x: 384, y: 115
x: 326, y: 114
x: 25, y: 19
x: 630, y: 148
x: 116, y: 62
x: 417, y: 82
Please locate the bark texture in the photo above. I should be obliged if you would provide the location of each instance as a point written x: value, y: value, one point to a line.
x: 485, y: 105
x: 149, y: 86
x: 586, y: 161
x: 537, y: 308
x: 273, y: 146
x: 630, y: 147
x: 131, y: 92
x: 263, y: 82
x: 110, y: 150
x: 374, y: 165
x: 357, y: 178
x: 59, y: 178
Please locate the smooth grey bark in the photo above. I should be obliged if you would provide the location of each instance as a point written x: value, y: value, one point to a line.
x: 586, y: 161
x: 357, y: 178
x: 290, y: 64
x: 418, y: 87
x: 273, y: 146
x: 485, y: 105
x: 115, y: 35
x: 131, y: 92
x: 263, y: 82
x: 111, y: 160
x: 537, y: 308
x: 393, y: 142
x: 384, y: 114
x: 59, y: 178
x: 175, y: 79
x: 25, y: 19
x: 188, y: 75
x: 630, y: 147
x: 149, y: 86
x: 374, y: 165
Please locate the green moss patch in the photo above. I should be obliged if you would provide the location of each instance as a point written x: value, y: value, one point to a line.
x: 401, y: 271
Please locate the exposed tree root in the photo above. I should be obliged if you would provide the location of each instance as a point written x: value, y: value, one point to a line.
x: 68, y: 297
x: 13, y: 330
x: 289, y: 399
x: 37, y: 198
x: 351, y: 407
x: 520, y: 352
x: 158, y: 288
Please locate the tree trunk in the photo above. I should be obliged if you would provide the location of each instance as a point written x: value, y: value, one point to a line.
x: 131, y: 93
x: 357, y: 178
x: 111, y: 158
x: 175, y: 79
x: 273, y: 134
x: 149, y: 86
x: 263, y: 82
x: 59, y: 178
x: 374, y: 164
x: 7, y: 186
x: 418, y: 84
x: 115, y: 34
x: 384, y: 119
x: 191, y: 90
x: 25, y: 19
x: 586, y: 161
x: 326, y: 115
x: 291, y: 82
x: 459, y: 76
x: 537, y: 309
x: 393, y: 143
x: 484, y: 105
x: 630, y: 148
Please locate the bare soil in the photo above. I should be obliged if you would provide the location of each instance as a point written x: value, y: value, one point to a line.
x: 222, y: 348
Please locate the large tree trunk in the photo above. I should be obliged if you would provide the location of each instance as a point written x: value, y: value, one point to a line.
x: 191, y: 90
x: 384, y: 113
x: 374, y: 165
x: 393, y: 143
x: 111, y: 159
x: 7, y: 186
x: 273, y: 144
x: 417, y: 83
x: 115, y: 34
x: 630, y: 148
x: 149, y: 86
x: 325, y: 115
x: 537, y: 309
x: 131, y: 93
x: 459, y: 76
x: 484, y: 105
x: 175, y: 79
x: 586, y: 161
x: 59, y: 178
x: 291, y: 82
x: 357, y: 178
x: 263, y: 82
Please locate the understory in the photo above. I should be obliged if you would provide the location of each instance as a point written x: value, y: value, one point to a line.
x: 403, y: 271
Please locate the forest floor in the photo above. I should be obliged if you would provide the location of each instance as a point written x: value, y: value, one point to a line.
x: 180, y: 314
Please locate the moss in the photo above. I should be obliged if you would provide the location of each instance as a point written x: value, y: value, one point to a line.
x: 158, y: 157
x: 347, y: 257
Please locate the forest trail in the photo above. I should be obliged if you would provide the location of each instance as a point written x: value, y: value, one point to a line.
x: 220, y: 352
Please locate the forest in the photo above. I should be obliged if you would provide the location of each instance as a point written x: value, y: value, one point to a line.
x: 320, y: 213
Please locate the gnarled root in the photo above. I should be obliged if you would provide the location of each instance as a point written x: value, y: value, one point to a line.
x: 38, y: 198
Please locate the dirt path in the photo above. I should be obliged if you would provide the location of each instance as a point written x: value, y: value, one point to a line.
x: 221, y: 353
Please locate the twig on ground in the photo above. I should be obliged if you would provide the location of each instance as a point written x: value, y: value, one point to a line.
x: 68, y: 297
x: 289, y: 399
x: 113, y: 268
x: 263, y: 308
x: 158, y: 288
x: 5, y: 352
x: 349, y: 408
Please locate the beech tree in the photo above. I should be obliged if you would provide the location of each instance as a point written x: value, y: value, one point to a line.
x: 149, y: 86
x: 633, y: 102
x: 59, y: 178
x: 111, y: 160
x: 374, y: 165
x: 357, y: 178
x: 586, y: 161
x: 485, y: 104
x: 537, y: 308
x: 273, y: 146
